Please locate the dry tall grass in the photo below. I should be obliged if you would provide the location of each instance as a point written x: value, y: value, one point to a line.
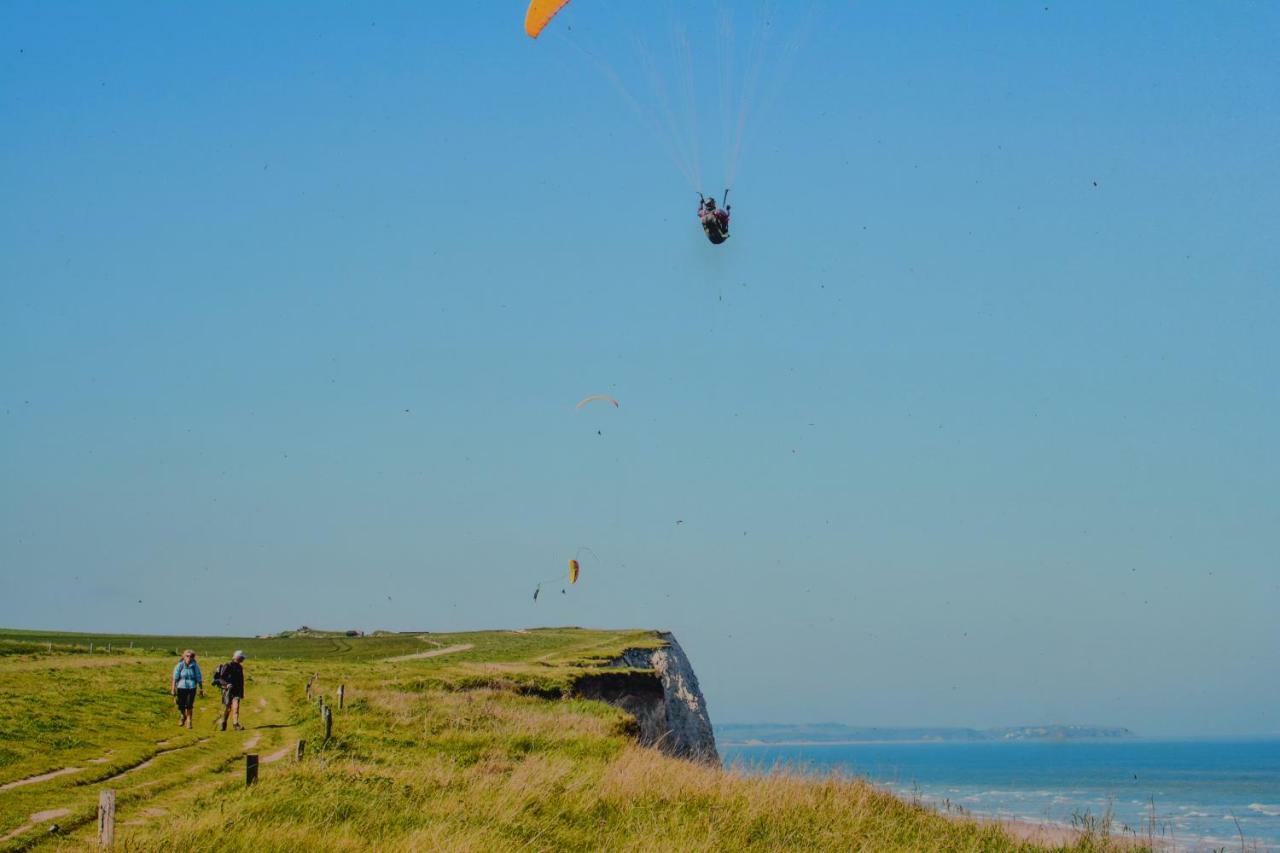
x: 495, y: 771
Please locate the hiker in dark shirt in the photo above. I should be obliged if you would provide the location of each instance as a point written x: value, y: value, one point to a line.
x: 232, y: 678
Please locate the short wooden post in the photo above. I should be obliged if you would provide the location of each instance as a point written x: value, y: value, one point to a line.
x: 302, y: 745
x: 108, y: 648
x: 50, y: 648
x: 91, y: 648
x: 342, y: 694
x: 106, y: 818
x: 250, y: 768
x: 327, y: 713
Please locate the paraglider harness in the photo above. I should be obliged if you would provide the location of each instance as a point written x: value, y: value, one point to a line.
x: 715, y: 223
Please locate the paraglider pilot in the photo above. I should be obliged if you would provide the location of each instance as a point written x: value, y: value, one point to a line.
x: 715, y: 221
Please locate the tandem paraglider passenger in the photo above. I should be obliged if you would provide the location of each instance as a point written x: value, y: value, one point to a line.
x: 715, y: 220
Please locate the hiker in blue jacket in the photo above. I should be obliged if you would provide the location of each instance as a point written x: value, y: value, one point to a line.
x: 187, y: 679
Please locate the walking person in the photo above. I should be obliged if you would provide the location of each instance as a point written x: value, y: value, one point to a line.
x: 187, y: 679
x: 232, y: 678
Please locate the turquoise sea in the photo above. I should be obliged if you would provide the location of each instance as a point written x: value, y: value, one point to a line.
x: 1197, y: 794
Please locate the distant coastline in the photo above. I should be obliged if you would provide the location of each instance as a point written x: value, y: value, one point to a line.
x: 838, y: 734
x: 1191, y: 793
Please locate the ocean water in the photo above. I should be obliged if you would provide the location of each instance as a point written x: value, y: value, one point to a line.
x: 1189, y: 792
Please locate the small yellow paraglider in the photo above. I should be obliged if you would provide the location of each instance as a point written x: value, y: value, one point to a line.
x: 575, y: 569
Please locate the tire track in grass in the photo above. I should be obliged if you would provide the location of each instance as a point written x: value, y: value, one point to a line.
x: 434, y: 653
x: 144, y: 812
x: 148, y: 761
x: 35, y: 820
x: 203, y: 773
x: 43, y: 777
x: 142, y: 794
x: 60, y: 811
x: 276, y: 756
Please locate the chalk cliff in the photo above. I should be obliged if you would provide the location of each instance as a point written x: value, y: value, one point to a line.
x: 659, y: 688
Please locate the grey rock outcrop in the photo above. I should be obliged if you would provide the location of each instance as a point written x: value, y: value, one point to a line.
x: 666, y: 701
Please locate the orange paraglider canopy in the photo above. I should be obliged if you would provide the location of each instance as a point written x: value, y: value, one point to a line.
x: 573, y: 571
x: 540, y: 13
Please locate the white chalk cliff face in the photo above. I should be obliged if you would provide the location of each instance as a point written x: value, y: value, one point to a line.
x: 668, y: 705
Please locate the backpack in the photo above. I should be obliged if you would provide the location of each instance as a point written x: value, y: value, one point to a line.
x: 217, y: 675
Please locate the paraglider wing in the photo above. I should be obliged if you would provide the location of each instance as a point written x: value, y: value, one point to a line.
x: 540, y: 14
x: 596, y: 398
x: 573, y: 571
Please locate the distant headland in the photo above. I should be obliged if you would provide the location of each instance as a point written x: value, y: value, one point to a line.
x: 746, y: 734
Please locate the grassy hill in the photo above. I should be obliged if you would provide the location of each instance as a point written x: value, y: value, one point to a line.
x: 446, y: 741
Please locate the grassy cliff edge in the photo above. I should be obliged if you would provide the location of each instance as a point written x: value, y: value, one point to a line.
x: 479, y: 740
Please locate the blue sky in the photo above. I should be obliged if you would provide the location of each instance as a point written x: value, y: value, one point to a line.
x: 972, y: 422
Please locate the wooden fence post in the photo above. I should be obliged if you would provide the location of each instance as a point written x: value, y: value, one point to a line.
x: 342, y: 694
x: 250, y: 768
x: 302, y: 745
x: 91, y: 648
x: 327, y: 713
x: 106, y: 818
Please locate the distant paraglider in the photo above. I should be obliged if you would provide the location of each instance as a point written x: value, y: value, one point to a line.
x: 596, y: 398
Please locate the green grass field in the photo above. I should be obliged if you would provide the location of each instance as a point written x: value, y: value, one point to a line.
x: 480, y: 745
